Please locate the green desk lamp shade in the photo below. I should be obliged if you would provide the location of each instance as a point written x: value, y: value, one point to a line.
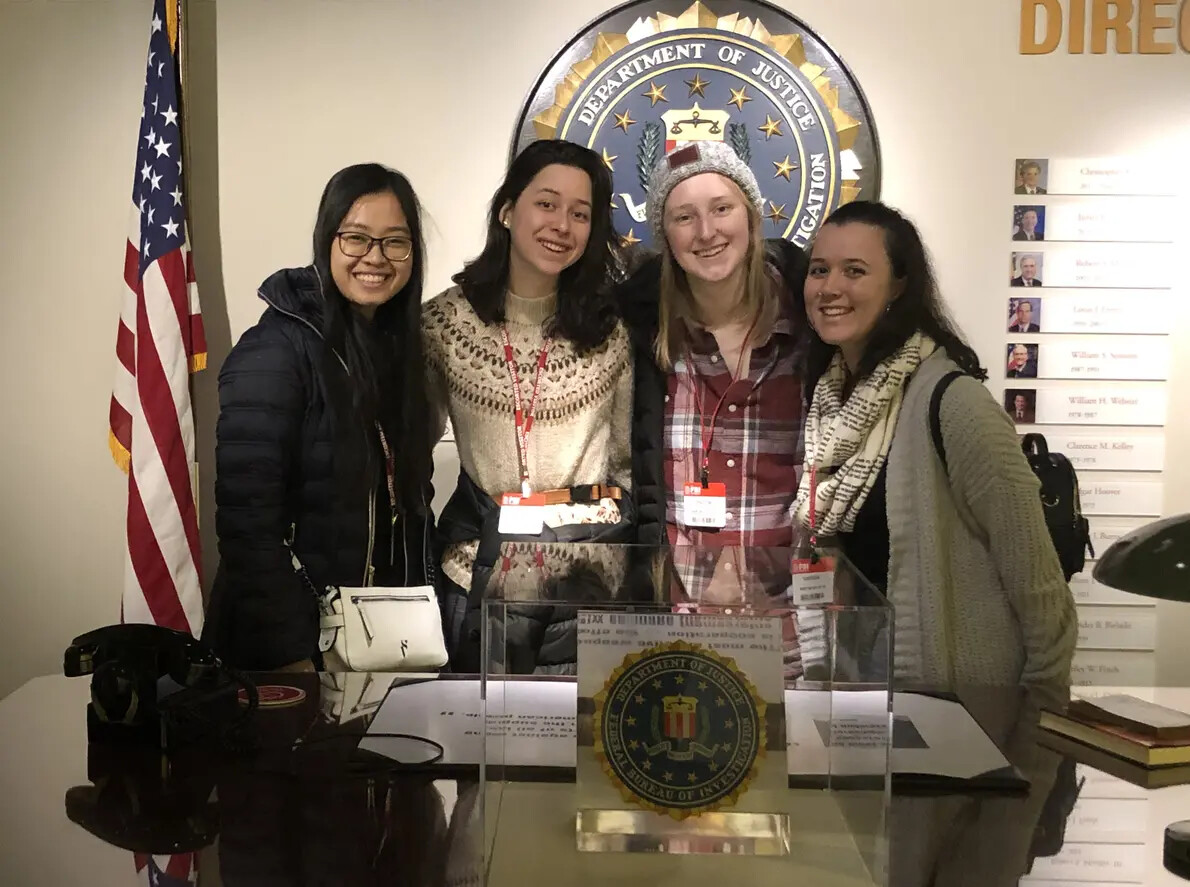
x: 1153, y: 561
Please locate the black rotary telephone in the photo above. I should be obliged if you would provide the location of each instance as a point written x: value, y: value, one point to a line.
x: 160, y: 699
x: 155, y: 686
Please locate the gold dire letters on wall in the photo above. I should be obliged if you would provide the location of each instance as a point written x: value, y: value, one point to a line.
x: 1149, y: 27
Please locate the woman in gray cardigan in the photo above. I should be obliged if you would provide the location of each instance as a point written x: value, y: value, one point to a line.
x: 963, y: 552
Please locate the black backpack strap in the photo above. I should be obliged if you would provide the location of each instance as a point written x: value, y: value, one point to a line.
x: 935, y: 410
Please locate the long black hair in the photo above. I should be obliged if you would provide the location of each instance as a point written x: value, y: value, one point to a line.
x: 918, y: 308
x: 586, y: 313
x: 385, y: 380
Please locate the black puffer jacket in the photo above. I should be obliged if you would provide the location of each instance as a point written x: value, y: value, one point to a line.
x: 279, y: 466
x: 639, y: 297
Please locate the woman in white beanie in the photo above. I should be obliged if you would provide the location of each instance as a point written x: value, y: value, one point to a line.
x: 718, y: 396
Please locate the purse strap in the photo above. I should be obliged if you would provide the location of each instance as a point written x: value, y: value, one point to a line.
x: 300, y: 569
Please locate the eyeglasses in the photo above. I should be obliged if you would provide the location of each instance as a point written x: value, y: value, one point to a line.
x: 357, y: 245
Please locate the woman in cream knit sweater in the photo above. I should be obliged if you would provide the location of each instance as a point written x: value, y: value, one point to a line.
x: 527, y: 357
x: 963, y: 551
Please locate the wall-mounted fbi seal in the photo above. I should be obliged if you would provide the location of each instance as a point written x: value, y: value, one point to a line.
x: 678, y: 729
x: 651, y: 74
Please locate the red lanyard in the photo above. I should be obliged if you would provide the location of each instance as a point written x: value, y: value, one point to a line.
x: 524, y: 418
x: 389, y: 472
x: 705, y: 439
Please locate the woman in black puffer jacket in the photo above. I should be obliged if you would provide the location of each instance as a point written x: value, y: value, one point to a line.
x: 322, y: 436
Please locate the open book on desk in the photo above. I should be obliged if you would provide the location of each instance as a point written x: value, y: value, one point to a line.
x: 937, y: 744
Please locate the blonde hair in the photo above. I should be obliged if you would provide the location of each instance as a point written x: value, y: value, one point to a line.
x: 677, y: 308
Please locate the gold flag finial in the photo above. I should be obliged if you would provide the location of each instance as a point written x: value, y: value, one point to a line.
x: 172, y: 14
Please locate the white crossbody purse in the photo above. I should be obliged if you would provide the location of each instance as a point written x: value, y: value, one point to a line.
x: 383, y: 628
x: 379, y: 628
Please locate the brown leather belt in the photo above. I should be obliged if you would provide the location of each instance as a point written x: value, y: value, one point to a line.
x: 584, y: 493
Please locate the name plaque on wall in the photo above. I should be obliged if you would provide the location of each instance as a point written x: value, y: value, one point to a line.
x: 1106, y: 530
x: 1122, y: 311
x: 1110, y: 450
x: 1142, y: 403
x: 1125, y: 176
x: 1104, y: 357
x: 1118, y: 219
x: 1099, y: 265
x: 1087, y: 591
x: 1117, y: 628
x: 1111, y: 668
x: 1139, y: 497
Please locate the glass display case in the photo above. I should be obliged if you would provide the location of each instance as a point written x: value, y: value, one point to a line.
x: 728, y: 705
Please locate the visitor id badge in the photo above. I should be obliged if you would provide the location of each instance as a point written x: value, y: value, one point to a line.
x: 522, y: 515
x: 812, y: 581
x: 704, y: 507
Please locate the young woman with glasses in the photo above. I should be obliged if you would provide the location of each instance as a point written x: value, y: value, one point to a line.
x: 527, y: 357
x: 322, y: 448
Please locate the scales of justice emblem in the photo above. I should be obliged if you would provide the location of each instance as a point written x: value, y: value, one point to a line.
x: 679, y: 729
x: 778, y: 96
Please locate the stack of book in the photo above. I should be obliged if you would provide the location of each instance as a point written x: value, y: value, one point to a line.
x: 1138, y: 741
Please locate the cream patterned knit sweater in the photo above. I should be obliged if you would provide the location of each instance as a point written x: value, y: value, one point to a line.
x: 581, y: 428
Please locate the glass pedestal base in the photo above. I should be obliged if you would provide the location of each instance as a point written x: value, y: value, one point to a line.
x: 640, y: 831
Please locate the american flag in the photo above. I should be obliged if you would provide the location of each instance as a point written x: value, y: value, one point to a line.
x: 159, y: 344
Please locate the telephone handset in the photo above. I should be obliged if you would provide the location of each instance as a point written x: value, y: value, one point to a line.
x: 177, y: 654
x: 140, y: 670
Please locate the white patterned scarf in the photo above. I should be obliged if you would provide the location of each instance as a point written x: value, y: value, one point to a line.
x: 847, y: 441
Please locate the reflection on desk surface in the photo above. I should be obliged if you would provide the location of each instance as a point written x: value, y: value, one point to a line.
x: 283, y: 821
x: 838, y: 733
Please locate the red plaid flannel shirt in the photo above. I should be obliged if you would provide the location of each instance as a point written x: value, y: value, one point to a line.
x: 757, y: 454
x: 757, y: 451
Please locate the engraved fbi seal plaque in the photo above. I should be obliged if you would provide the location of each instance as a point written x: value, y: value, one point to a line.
x: 651, y: 74
x: 678, y: 729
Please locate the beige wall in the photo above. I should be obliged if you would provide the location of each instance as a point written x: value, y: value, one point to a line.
x: 283, y: 93
x: 69, y: 106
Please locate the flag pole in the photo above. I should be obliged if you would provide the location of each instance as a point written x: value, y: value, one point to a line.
x: 183, y: 38
x: 183, y: 90
x: 183, y: 50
